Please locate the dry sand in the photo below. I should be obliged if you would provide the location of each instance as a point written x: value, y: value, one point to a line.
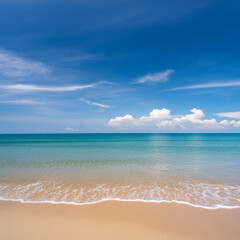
x: 116, y: 220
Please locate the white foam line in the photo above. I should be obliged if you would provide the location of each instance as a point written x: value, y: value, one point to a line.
x: 218, y: 206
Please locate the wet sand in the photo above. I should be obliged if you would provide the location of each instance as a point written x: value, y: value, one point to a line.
x: 116, y: 220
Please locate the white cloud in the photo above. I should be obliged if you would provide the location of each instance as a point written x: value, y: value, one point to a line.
x: 232, y: 123
x: 208, y: 85
x: 95, y: 103
x: 196, y: 120
x: 12, y: 65
x: 21, y: 101
x: 156, y: 77
x: 163, y: 119
x: 129, y: 120
x: 121, y: 121
x: 28, y: 87
x: 229, y: 114
x: 69, y: 129
x: 156, y: 114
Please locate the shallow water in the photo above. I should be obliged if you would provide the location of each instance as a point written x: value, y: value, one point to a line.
x: 200, y: 169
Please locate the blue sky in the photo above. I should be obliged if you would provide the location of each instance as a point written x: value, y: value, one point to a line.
x: 119, y: 66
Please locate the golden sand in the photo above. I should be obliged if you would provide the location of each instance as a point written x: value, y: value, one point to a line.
x: 116, y: 220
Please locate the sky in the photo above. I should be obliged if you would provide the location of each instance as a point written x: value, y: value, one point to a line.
x: 119, y: 66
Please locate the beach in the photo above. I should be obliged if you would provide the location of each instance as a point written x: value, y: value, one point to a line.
x: 120, y: 120
x: 119, y: 186
x: 116, y: 220
x: 199, y: 169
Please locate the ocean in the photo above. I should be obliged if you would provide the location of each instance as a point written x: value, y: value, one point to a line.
x: 202, y: 170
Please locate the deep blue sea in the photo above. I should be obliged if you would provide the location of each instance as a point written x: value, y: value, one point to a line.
x: 198, y: 169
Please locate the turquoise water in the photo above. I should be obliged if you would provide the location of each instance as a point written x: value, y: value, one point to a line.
x: 199, y: 169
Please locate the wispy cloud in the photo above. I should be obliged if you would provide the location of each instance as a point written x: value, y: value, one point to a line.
x: 31, y: 88
x: 21, y: 101
x: 12, y: 65
x: 95, y: 103
x: 155, y: 77
x: 229, y: 114
x: 208, y: 85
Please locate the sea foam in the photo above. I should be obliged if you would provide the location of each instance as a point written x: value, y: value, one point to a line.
x: 205, y: 195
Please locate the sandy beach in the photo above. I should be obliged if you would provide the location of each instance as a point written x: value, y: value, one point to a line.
x: 116, y: 220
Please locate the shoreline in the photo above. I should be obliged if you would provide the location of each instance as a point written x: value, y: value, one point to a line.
x: 216, y: 207
x: 116, y: 220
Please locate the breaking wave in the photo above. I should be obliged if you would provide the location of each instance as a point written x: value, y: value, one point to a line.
x: 205, y: 195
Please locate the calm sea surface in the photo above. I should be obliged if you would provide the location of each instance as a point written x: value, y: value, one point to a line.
x: 200, y: 169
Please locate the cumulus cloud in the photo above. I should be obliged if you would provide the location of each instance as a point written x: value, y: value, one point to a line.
x: 196, y: 120
x: 227, y: 123
x: 156, y: 114
x: 12, y: 65
x: 96, y: 104
x: 208, y: 85
x: 156, y: 77
x: 163, y: 119
x: 186, y: 120
x: 229, y: 114
x: 121, y: 121
x: 69, y: 129
x: 129, y: 120
x: 31, y: 88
